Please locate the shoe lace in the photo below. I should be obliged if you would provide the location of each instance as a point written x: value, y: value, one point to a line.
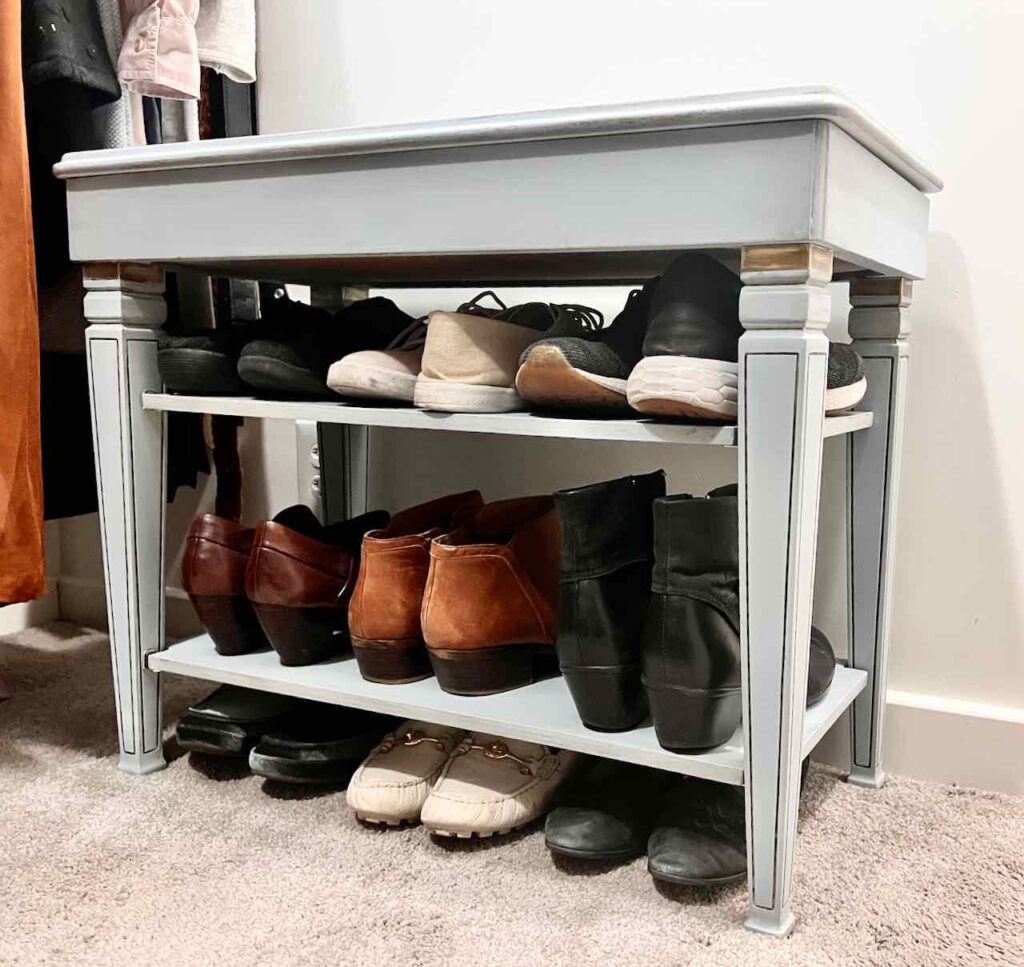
x: 474, y: 308
x: 410, y: 737
x: 494, y: 750
x: 587, y: 319
x: 413, y: 336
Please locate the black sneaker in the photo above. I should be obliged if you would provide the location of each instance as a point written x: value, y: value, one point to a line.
x: 202, y: 364
x: 293, y: 353
x: 846, y: 381
x: 689, y: 366
x: 586, y: 369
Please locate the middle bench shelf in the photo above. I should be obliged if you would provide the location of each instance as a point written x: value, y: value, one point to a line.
x: 517, y: 424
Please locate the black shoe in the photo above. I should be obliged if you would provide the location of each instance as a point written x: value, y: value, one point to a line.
x: 203, y: 364
x: 298, y: 344
x: 700, y: 836
x: 231, y: 720
x: 691, y: 644
x: 608, y: 813
x: 318, y: 743
x: 605, y: 578
x: 587, y: 369
x: 690, y: 351
x: 846, y: 383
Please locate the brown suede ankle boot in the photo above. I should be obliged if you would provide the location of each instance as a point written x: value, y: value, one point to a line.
x: 384, y: 614
x: 489, y: 609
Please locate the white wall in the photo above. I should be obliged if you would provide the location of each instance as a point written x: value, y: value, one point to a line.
x: 946, y: 76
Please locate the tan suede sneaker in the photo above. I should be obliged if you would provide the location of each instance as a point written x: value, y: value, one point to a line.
x: 471, y: 356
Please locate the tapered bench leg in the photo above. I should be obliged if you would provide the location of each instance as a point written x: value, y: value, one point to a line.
x: 126, y: 307
x: 783, y: 362
x: 879, y: 326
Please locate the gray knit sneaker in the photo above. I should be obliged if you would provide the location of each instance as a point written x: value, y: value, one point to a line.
x: 846, y: 384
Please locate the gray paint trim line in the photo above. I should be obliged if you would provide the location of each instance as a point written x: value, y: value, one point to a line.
x: 708, y: 111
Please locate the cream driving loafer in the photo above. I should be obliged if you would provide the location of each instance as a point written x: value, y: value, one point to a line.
x: 492, y: 785
x: 394, y: 780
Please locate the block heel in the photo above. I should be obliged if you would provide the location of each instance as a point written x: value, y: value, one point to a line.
x: 392, y: 662
x: 231, y: 623
x: 608, y: 699
x: 484, y: 671
x: 693, y: 719
x: 304, y: 636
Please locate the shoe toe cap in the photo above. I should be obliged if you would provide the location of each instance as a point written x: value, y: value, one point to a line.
x: 689, y: 856
x: 579, y: 830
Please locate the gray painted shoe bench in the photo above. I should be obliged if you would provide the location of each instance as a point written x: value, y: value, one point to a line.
x: 797, y: 186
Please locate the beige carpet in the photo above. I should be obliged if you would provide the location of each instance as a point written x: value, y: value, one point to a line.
x: 200, y: 866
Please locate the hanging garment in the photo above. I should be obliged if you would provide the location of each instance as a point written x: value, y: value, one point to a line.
x: 160, y: 53
x: 21, y: 486
x: 226, y: 30
x: 166, y: 41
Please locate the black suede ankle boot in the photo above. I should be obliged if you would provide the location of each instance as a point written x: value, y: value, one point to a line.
x: 605, y: 586
x: 691, y: 657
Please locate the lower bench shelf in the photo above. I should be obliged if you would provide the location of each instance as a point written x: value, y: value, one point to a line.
x: 542, y: 713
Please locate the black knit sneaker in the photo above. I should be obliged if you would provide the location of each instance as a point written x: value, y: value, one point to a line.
x: 586, y: 369
x: 846, y: 384
x: 297, y: 343
x: 690, y: 351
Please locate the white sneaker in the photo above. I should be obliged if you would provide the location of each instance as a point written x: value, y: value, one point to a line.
x: 393, y: 782
x: 492, y: 785
x: 382, y: 374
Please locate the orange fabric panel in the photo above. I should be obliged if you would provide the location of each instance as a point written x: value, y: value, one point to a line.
x: 21, y: 484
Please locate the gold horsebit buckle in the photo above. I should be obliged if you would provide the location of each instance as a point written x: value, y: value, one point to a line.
x: 410, y: 737
x: 494, y: 750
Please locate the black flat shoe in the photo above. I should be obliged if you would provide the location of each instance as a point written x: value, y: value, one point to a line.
x: 232, y: 720
x: 608, y: 813
x: 319, y: 743
x: 297, y: 344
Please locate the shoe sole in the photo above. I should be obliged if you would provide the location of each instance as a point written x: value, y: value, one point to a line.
x: 707, y: 389
x: 200, y: 372
x: 597, y: 856
x: 378, y: 820
x: 684, y: 387
x: 392, y: 662
x: 472, y: 833
x: 694, y: 881
x: 267, y: 374
x: 449, y: 397
x: 371, y: 382
x: 842, y: 398
x: 548, y: 379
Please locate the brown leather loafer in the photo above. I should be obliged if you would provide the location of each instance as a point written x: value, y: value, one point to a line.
x: 300, y: 578
x: 213, y: 575
x: 489, y: 608
x: 384, y: 614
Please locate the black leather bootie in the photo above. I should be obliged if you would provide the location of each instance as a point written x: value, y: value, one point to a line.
x: 605, y: 586
x: 691, y: 655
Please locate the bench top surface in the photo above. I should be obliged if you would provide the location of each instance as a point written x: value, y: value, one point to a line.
x: 676, y: 114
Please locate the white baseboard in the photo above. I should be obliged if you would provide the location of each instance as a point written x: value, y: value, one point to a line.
x: 943, y: 740
x: 927, y: 736
x: 85, y: 603
x: 18, y: 617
